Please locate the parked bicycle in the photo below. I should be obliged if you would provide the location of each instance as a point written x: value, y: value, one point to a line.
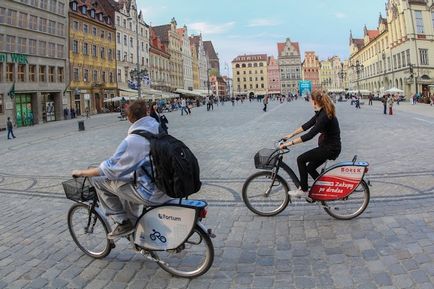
x: 341, y: 190
x: 171, y: 234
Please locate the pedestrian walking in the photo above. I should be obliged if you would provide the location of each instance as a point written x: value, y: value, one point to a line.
x: 10, y: 128
x: 183, y: 106
x: 265, y: 103
x: 370, y: 99
x: 87, y: 112
x: 390, y: 104
x: 358, y: 102
x: 233, y: 101
x: 384, y: 101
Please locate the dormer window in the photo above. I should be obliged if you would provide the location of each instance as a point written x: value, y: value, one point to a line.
x: 74, y: 6
x: 100, y: 17
x: 92, y: 13
x: 109, y: 21
x: 83, y: 10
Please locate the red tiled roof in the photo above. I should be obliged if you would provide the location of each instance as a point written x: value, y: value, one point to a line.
x: 372, y: 34
x: 162, y: 32
x: 281, y: 46
x: 209, y: 50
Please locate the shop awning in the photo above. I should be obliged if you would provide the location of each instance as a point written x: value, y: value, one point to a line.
x: 188, y: 92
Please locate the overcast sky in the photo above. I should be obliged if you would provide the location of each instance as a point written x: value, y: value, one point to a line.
x: 251, y: 26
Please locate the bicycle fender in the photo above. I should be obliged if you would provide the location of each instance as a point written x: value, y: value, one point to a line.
x: 205, y: 229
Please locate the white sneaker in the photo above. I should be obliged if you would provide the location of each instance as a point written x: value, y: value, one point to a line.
x: 298, y: 194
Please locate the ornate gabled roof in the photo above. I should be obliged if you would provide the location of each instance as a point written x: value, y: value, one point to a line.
x: 250, y: 57
x: 281, y: 46
x: 209, y: 50
x: 162, y: 32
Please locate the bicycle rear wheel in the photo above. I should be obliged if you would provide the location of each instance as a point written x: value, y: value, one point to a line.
x: 92, y: 239
x: 351, y: 206
x: 263, y: 197
x: 191, y: 259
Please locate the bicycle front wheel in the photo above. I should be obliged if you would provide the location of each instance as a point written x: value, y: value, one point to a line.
x: 351, y: 206
x: 91, y: 237
x: 191, y: 259
x: 263, y: 196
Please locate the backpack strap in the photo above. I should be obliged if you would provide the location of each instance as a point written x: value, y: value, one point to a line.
x: 149, y: 136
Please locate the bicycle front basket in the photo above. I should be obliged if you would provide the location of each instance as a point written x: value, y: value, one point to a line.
x: 79, y: 189
x: 266, y: 159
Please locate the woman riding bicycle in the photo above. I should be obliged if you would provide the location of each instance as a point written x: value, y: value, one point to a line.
x: 329, y: 142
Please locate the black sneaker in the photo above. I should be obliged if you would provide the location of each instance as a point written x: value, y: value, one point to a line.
x: 121, y: 230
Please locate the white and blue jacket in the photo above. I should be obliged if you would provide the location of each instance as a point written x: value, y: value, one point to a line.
x: 132, y: 155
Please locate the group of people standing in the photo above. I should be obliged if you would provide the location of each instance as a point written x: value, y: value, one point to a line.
x: 388, y: 101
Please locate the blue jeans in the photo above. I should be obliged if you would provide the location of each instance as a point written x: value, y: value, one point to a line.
x: 183, y: 108
x: 10, y: 132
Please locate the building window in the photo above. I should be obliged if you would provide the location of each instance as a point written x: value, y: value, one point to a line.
x: 1, y: 101
x: 119, y: 75
x: 51, y: 49
x: 432, y: 18
x: 2, y: 15
x: 85, y: 75
x: 131, y: 58
x: 61, y: 8
x: 125, y: 23
x: 51, y: 74
x: 42, y: 48
x: 85, y: 28
x: 408, y: 57
x: 10, y: 71
x: 60, y: 51
x: 131, y: 41
x: 22, y: 47
x: 23, y: 20
x: 74, y: 6
x: 83, y: 10
x: 32, y: 73
x: 94, y: 50
x: 102, y: 34
x: 419, y: 22
x: 111, y: 77
x: 399, y: 60
x: 109, y: 54
x: 118, y: 38
x: 102, y: 52
x: 33, y: 23
x: 60, y: 75
x: 75, y: 46
x: 95, y: 76
x: 85, y: 49
x: 53, y: 5
x: 76, y: 74
x: 125, y: 40
x: 92, y: 13
x: 118, y: 55
x: 403, y: 58
x: 103, y: 76
x: 423, y: 56
x: 118, y: 21
x: 42, y: 73
x: 60, y: 29
x: 394, y: 61
x: 94, y: 31
x: 11, y: 17
x: 42, y: 24
x: 75, y: 25
x: 109, y: 36
x: 21, y: 72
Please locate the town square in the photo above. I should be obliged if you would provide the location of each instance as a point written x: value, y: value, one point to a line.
x: 159, y: 145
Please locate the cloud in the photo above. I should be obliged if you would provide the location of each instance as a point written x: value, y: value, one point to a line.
x: 208, y: 28
x: 262, y: 22
x: 340, y: 15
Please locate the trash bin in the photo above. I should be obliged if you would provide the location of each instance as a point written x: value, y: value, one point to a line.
x: 81, y: 125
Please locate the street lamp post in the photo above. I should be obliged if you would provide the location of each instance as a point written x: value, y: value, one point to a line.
x: 414, y: 77
x: 342, y: 74
x: 138, y: 73
x: 358, y: 68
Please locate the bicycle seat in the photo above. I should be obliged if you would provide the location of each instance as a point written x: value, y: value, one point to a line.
x: 189, y: 203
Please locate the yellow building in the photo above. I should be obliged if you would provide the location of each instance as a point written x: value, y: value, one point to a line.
x: 399, y: 53
x: 250, y: 75
x: 194, y: 56
x: 92, y: 48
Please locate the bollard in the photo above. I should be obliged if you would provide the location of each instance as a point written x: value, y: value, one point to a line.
x: 81, y: 125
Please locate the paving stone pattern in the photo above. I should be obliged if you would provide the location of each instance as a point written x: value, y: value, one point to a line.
x: 390, y: 246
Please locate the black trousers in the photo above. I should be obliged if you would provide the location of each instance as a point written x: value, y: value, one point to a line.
x: 310, y: 161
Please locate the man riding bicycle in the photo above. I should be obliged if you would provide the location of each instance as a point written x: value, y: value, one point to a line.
x: 121, y: 182
x: 329, y: 142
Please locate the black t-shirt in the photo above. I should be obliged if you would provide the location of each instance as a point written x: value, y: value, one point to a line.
x: 330, y: 137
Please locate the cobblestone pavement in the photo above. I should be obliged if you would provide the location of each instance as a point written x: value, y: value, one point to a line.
x: 390, y: 246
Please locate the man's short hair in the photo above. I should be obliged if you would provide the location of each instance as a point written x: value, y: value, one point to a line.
x: 137, y: 110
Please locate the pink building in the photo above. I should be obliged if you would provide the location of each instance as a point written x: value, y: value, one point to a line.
x: 311, y: 69
x: 273, y: 76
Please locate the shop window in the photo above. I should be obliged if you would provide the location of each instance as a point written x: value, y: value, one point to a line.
x: 42, y: 73
x: 32, y: 73
x: 60, y: 74
x: 21, y: 72
x: 10, y: 71
x: 1, y: 103
x: 51, y: 74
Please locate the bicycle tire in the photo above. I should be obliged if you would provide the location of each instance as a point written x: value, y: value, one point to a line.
x: 79, y: 235
x: 181, y: 260
x: 333, y: 210
x: 251, y: 204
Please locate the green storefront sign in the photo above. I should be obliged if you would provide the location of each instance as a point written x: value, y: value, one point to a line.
x: 13, y: 57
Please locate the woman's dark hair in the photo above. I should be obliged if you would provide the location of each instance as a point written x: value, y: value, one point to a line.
x: 152, y: 107
x: 323, y: 100
x: 137, y: 110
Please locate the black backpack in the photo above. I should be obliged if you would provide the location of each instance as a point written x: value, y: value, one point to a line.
x: 175, y: 169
